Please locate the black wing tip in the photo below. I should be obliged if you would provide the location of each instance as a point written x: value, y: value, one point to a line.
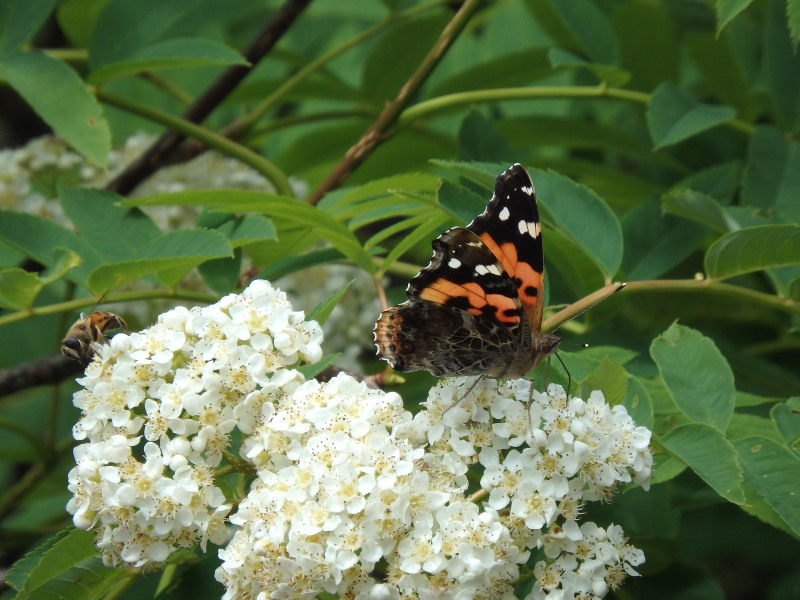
x: 516, y: 175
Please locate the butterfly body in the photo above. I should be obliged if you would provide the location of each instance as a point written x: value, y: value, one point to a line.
x: 476, y: 309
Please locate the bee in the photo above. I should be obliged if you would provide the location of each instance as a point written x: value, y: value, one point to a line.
x: 87, y: 330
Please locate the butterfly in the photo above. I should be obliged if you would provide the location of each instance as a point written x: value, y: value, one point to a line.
x: 476, y: 309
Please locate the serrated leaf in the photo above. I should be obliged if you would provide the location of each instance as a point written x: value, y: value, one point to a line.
x: 323, y: 310
x: 18, y: 288
x: 773, y: 470
x: 707, y: 452
x: 282, y: 208
x: 573, y: 262
x: 297, y: 262
x: 697, y: 375
x: 172, y: 253
x: 20, y: 20
x: 786, y: 417
x: 73, y: 112
x: 673, y: 115
x: 582, y: 216
x: 169, y: 54
x: 115, y: 233
x: 609, y: 378
x: 38, y: 239
x: 378, y: 188
x: 753, y: 249
x: 728, y: 9
x: 221, y: 274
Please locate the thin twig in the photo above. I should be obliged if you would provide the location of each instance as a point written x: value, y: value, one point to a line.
x: 374, y: 134
x: 155, y: 156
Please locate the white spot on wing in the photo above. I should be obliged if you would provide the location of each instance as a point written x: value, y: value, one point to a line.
x: 487, y: 269
x: 527, y: 190
x: 504, y: 214
x: 454, y: 263
x: 532, y: 229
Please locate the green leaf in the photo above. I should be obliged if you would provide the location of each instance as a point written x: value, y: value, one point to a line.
x: 73, y: 112
x: 222, y: 274
x: 298, y: 262
x: 793, y: 17
x: 786, y: 416
x: 698, y: 207
x: 18, y: 288
x: 168, y: 256
x: 773, y: 470
x: 65, y: 567
x: 609, y: 74
x: 590, y: 28
x: 637, y: 401
x: 697, y: 375
x: 38, y: 239
x: 379, y: 83
x: 780, y: 67
x: 78, y: 18
x: 753, y: 249
x: 115, y: 233
x: 582, y: 216
x: 728, y: 9
x: 744, y: 425
x: 673, y: 115
x: 20, y: 20
x: 169, y: 54
x: 312, y: 370
x: 710, y: 455
x: 478, y: 139
x: 609, y: 378
x: 385, y: 187
x: 461, y: 201
x: 247, y: 229
x: 498, y: 72
x: 425, y: 231
x: 771, y: 177
x: 323, y: 310
x: 124, y: 28
x: 574, y: 263
x: 311, y: 218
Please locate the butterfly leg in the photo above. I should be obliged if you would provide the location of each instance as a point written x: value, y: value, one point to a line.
x: 469, y: 389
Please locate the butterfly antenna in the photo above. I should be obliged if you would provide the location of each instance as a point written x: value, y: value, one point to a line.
x: 591, y: 306
x: 566, y: 370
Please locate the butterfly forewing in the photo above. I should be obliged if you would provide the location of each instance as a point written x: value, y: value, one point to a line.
x: 511, y: 229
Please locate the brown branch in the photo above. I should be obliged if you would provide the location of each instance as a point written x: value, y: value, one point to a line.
x: 374, y: 134
x: 43, y: 371
x: 155, y: 156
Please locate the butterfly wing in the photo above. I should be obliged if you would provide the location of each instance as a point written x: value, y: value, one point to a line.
x: 511, y: 229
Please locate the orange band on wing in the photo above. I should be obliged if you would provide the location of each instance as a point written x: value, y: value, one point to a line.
x: 441, y: 290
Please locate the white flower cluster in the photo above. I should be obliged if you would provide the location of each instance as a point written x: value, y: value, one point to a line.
x: 540, y: 466
x: 158, y: 410
x: 352, y: 495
